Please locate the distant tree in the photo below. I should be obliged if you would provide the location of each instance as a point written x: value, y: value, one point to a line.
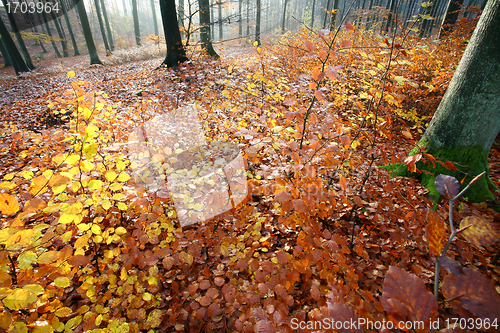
x: 219, y: 6
x: 10, y: 47
x: 70, y: 30
x: 155, y: 21
x: 137, y: 31
x: 467, y: 120
x: 108, y: 27
x: 20, y: 41
x: 283, y: 21
x: 257, y: 22
x: 313, y: 8
x: 240, y: 20
x: 101, y: 26
x: 47, y: 28
x: 175, y: 51
x: 87, y: 33
x: 180, y: 14
x: 60, y: 33
x: 206, y: 42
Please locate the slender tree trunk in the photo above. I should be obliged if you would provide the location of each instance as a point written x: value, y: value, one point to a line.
x: 257, y: 22
x: 219, y: 3
x: 212, y: 20
x: 451, y: 15
x: 283, y: 21
x: 240, y: 25
x: 61, y: 34
x: 206, y: 42
x: 312, y: 14
x: 101, y: 26
x: 467, y: 120
x: 137, y: 31
x: 87, y: 33
x: 20, y: 40
x: 108, y: 27
x: 175, y: 50
x: 17, y: 60
x: 248, y: 18
x: 155, y: 23
x: 180, y: 14
x: 334, y: 15
x: 70, y: 30
x: 47, y: 27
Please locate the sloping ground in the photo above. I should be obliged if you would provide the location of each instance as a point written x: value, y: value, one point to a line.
x: 85, y: 247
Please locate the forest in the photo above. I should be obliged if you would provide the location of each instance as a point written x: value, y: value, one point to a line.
x: 249, y: 166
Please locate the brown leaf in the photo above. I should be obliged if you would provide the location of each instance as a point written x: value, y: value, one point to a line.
x: 283, y: 196
x: 436, y: 232
x: 473, y: 294
x: 405, y: 297
x: 480, y: 231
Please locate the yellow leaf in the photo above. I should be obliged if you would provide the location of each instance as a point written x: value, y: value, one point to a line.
x: 120, y: 231
x: 86, y: 166
x: 7, y: 185
x: 28, y: 174
x: 120, y: 165
x: 123, y: 177
x: 95, y: 184
x: 96, y: 230
x: 122, y: 206
x: 8, y: 204
x: 118, y: 196
x: 87, y: 113
x: 116, y: 187
x: 66, y: 218
x: 90, y: 150
x: 38, y: 185
x: 9, y: 176
x: 62, y: 282
x: 110, y: 175
x: 106, y: 204
x: 71, y: 74
x: 48, y: 257
x: 19, y: 299
x: 63, y: 312
x: 72, y: 159
x: 147, y: 297
x: 99, y: 106
x: 83, y: 226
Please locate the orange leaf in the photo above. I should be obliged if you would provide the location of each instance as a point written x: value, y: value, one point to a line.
x: 283, y: 196
x: 8, y: 204
x: 343, y: 183
x: 480, y: 231
x: 345, y: 43
x: 309, y: 45
x: 319, y: 95
x: 436, y: 232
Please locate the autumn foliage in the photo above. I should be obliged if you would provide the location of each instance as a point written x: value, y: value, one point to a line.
x: 323, y: 232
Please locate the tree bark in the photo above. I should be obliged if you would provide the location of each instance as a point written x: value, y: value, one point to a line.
x: 221, y: 33
x: 5, y: 55
x: 70, y: 30
x: 257, y: 23
x: 175, y: 51
x: 206, y: 42
x: 108, y: 28
x: 137, y: 31
x: 283, y: 21
x: 10, y: 46
x: 87, y: 33
x: 467, y: 120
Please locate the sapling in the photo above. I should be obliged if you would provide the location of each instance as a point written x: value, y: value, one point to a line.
x: 449, y: 186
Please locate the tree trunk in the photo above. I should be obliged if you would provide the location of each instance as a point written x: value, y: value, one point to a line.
x: 467, y: 120
x: 137, y: 31
x: 283, y: 21
x: 452, y: 13
x: 248, y: 18
x: 87, y: 33
x: 5, y: 55
x: 312, y: 14
x: 257, y: 22
x: 175, y: 50
x: 240, y: 26
x: 219, y: 2
x: 20, y: 41
x: 60, y: 32
x: 206, y: 42
x: 10, y: 46
x: 108, y: 28
x: 70, y: 30
x: 180, y: 14
x: 47, y: 27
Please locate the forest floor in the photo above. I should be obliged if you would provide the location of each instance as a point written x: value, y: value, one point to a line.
x: 323, y: 233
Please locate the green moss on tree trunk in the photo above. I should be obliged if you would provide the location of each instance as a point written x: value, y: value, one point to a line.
x: 470, y: 161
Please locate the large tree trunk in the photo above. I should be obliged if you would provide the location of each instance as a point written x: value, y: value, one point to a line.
x: 175, y: 50
x: 10, y: 46
x: 20, y: 41
x: 467, y: 120
x: 206, y: 42
x: 87, y: 33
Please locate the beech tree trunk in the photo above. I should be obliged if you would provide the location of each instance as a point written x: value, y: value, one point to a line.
x: 10, y: 46
x: 257, y: 22
x: 137, y: 31
x: 87, y: 33
x: 206, y: 42
x: 175, y: 50
x: 467, y: 120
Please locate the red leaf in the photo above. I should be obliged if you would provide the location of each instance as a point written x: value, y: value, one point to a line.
x: 289, y: 102
x: 332, y: 74
x: 309, y: 45
x: 348, y: 26
x: 283, y: 196
x: 345, y: 43
x: 405, y: 297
